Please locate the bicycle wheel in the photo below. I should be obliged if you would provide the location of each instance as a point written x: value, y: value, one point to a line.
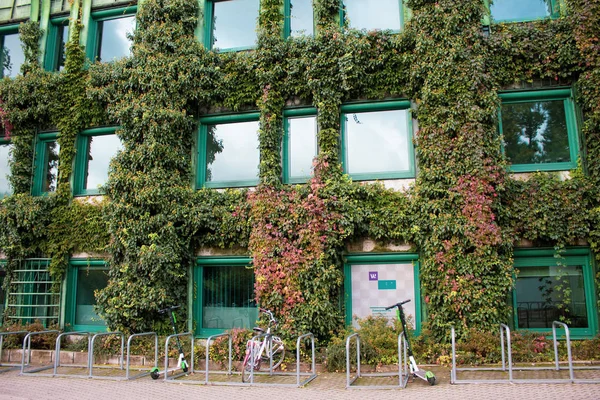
x: 248, y: 364
x: 275, y: 350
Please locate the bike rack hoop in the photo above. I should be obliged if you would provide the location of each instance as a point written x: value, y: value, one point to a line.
x: 57, y: 353
x: 27, y: 350
x: 313, y: 370
x: 91, y: 354
x: 10, y: 365
x: 348, y: 340
x: 129, y: 340
x: 168, y: 339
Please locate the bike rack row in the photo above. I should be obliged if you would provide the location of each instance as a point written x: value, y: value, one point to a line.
x: 509, y: 368
x: 402, y: 373
x: 10, y: 365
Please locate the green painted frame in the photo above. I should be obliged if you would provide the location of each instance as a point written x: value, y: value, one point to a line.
x: 6, y: 30
x: 405, y: 15
x: 93, y: 39
x: 287, y: 115
x: 81, y: 164
x: 70, y: 304
x: 207, y: 32
x: 287, y: 22
x: 198, y: 283
x: 556, y: 5
x: 382, y: 258
x: 2, y: 301
x: 564, y: 94
x: 379, y: 106
x: 201, y: 149
x: 40, y: 161
x: 543, y: 257
x: 53, y: 50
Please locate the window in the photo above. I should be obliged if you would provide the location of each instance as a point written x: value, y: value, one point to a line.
x: 231, y: 24
x: 523, y: 10
x: 550, y: 288
x: 95, y: 148
x: 47, y: 150
x: 371, y: 15
x: 108, y: 34
x: 299, y: 144
x: 377, y: 140
x: 224, y: 295
x: 12, y: 52
x: 539, y: 130
x: 84, y: 278
x: 2, y: 293
x: 228, y: 154
x: 299, y: 18
x: 5, y: 150
x: 58, y: 36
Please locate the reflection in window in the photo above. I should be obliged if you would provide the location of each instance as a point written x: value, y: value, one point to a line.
x: 232, y: 154
x: 535, y: 132
x: 371, y: 15
x: 62, y: 37
x: 50, y: 166
x: 228, y: 298
x: 2, y: 293
x: 301, y: 18
x: 113, y: 42
x: 88, y: 281
x: 301, y: 147
x: 12, y: 55
x: 551, y: 293
x: 100, y: 150
x: 234, y: 24
x: 5, y: 188
x: 377, y: 142
x: 520, y: 10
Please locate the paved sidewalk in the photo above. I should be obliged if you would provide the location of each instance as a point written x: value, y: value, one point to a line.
x: 329, y: 386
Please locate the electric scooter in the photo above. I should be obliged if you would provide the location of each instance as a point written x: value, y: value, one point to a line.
x: 414, y: 369
x: 181, y: 362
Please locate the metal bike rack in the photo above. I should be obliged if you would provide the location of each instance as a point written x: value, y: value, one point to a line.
x: 57, y: 355
x: 402, y: 366
x: 128, y: 364
x: 26, y: 354
x: 10, y: 366
x: 191, y: 354
x: 91, y: 357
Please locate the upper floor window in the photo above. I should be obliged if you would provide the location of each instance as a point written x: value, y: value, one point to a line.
x: 231, y: 24
x: 12, y: 55
x: 108, y: 35
x: 377, y: 140
x: 47, y: 150
x: 5, y: 148
x: 228, y: 154
x: 58, y: 36
x: 374, y: 15
x: 523, y: 10
x: 299, y: 18
x: 539, y: 130
x: 95, y: 148
x: 299, y: 144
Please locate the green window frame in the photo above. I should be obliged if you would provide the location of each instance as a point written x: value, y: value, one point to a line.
x: 46, y: 172
x: 537, y: 96
x: 5, y: 187
x: 219, y: 289
x: 11, y: 31
x: 290, y: 148
x: 520, y: 11
x: 84, y: 156
x: 557, y: 288
x: 362, y: 6
x: 211, y: 36
x: 3, y: 297
x: 57, y: 38
x: 83, y: 278
x: 378, y: 259
x: 349, y: 112
x: 95, y: 29
x: 205, y: 144
x: 302, y: 28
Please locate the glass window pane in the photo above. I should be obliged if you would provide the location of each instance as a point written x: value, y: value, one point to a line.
x: 63, y: 38
x: 553, y: 293
x: 5, y: 188
x: 377, y: 142
x: 2, y: 294
x: 228, y: 298
x: 503, y: 10
x: 370, y: 15
x: 89, y: 281
x: 12, y: 55
x: 50, y: 166
x: 101, y: 149
x: 301, y: 18
x: 535, y: 132
x: 302, y: 136
x: 113, y: 42
x: 234, y: 24
x: 232, y: 152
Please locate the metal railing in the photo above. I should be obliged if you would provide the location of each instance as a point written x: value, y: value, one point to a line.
x: 92, y: 356
x: 128, y: 363
x: 57, y: 355
x: 26, y: 354
x: 8, y: 364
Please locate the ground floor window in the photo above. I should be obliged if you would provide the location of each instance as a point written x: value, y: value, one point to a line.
x: 85, y: 277
x: 555, y: 288
x: 2, y: 293
x: 224, y: 295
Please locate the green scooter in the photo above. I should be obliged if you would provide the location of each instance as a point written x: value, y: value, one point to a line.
x: 181, y: 362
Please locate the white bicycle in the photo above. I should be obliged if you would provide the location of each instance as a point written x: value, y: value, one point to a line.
x: 263, y: 348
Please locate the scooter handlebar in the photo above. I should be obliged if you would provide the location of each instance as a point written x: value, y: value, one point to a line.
x: 168, y: 309
x: 398, y: 304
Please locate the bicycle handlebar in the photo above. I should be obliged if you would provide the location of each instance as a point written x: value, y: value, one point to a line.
x: 168, y: 309
x: 269, y: 313
x: 398, y: 304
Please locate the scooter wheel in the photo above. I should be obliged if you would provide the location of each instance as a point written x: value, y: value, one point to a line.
x: 431, y: 380
x: 154, y: 374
